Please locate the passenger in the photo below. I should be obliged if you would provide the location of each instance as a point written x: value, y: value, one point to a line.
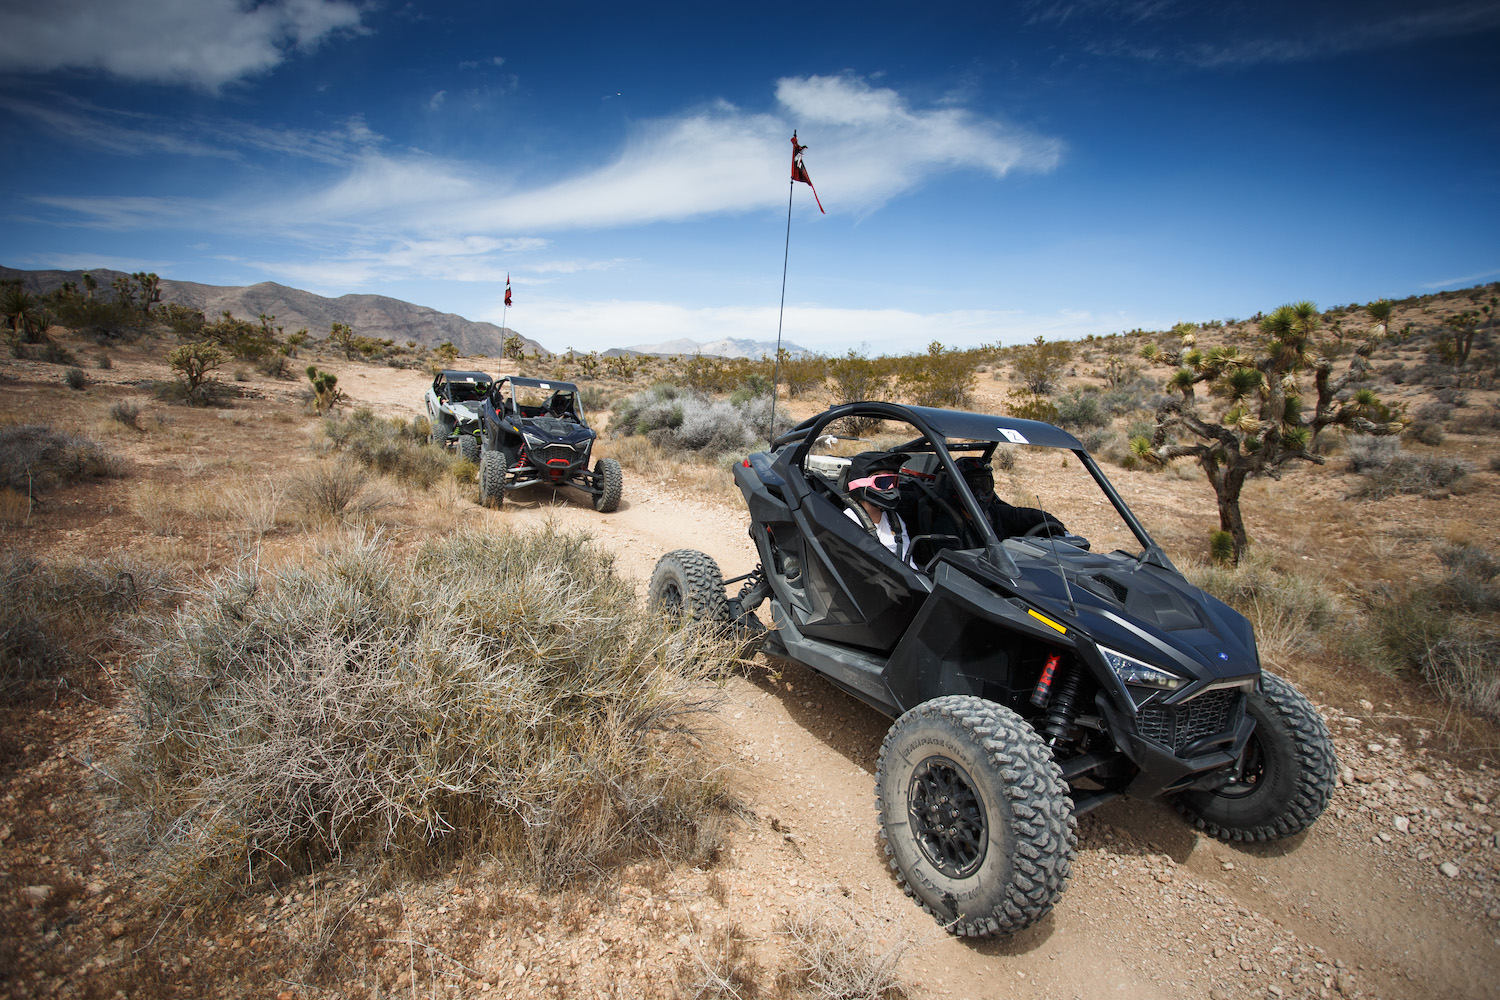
x: 874, y: 484
x: 1006, y: 520
x: 560, y: 405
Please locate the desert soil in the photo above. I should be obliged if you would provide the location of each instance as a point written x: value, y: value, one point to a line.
x: 1392, y: 894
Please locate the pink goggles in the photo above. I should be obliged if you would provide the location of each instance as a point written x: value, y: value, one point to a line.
x: 880, y: 481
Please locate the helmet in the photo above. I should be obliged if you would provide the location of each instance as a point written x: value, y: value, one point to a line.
x: 978, y: 474
x: 873, y: 477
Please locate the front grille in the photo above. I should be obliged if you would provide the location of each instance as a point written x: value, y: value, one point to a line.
x: 1178, y: 726
x: 554, y: 452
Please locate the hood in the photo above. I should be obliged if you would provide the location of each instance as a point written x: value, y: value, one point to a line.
x: 1139, y: 609
x: 465, y: 412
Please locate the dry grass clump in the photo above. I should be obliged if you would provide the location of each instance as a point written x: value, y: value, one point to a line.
x: 498, y: 692
x: 832, y: 957
x: 54, y: 614
x: 333, y: 490
x: 392, y: 447
x: 1443, y: 629
x: 725, y: 967
x: 1291, y: 613
x: 249, y: 502
x: 34, y: 458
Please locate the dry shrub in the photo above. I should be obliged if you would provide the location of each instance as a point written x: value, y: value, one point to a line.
x: 127, y: 413
x: 832, y: 957
x: 333, y: 490
x: 1407, y: 473
x: 498, y: 692
x: 724, y: 968
x: 34, y: 458
x: 54, y: 614
x: 393, y: 447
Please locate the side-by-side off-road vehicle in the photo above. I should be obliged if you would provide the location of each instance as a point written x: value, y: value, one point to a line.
x: 533, y: 433
x: 453, y: 410
x: 1030, y: 678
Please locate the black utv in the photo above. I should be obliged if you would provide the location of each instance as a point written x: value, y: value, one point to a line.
x: 1038, y: 663
x: 532, y: 433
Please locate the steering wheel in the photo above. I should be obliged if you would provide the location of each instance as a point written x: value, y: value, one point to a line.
x: 1044, y: 528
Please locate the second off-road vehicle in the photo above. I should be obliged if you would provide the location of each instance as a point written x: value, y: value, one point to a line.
x: 453, y: 410
x: 533, y: 433
x: 1031, y: 677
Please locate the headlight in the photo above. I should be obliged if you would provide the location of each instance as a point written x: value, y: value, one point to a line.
x: 532, y: 441
x: 1134, y: 672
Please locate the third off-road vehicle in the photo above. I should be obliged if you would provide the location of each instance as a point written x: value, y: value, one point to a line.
x: 453, y: 410
x: 1031, y: 677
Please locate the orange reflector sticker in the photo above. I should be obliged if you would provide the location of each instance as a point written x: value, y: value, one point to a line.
x: 1047, y: 621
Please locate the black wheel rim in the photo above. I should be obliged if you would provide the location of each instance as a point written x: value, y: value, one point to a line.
x: 947, y: 817
x: 671, y: 600
x: 1252, y: 771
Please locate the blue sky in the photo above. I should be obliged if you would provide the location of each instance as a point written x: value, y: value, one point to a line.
x: 991, y: 171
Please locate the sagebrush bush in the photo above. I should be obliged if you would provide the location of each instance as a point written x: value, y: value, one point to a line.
x: 54, y: 614
x: 685, y: 419
x: 498, y: 692
x: 127, y: 413
x: 74, y: 378
x: 1369, y: 451
x: 1421, y: 626
x: 1080, y: 410
x: 332, y: 490
x: 34, y: 458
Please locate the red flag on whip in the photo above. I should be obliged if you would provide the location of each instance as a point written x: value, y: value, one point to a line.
x: 507, y: 288
x: 799, y: 171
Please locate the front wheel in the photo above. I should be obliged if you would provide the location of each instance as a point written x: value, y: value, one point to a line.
x: 688, y: 584
x: 491, y: 479
x: 1285, y: 776
x: 468, y: 447
x: 611, y: 483
x: 975, y: 815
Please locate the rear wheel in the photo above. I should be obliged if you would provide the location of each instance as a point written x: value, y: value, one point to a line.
x: 611, y: 482
x: 1285, y: 775
x: 491, y: 479
x: 468, y: 447
x: 687, y: 584
x: 975, y: 815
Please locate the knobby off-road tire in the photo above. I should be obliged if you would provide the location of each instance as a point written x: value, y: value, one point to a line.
x: 491, y: 479
x: 611, y: 484
x: 468, y: 447
x: 975, y: 815
x: 1288, y: 777
x: 687, y: 584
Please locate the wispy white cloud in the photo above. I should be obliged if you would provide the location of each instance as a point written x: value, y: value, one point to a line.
x: 600, y: 325
x: 1467, y: 279
x: 867, y: 145
x: 200, y: 43
x: 1318, y: 36
x: 136, y: 133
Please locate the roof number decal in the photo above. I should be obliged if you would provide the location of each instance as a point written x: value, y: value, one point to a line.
x: 1014, y: 437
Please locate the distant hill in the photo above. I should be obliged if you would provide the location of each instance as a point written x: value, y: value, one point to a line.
x: 376, y: 316
x: 724, y: 347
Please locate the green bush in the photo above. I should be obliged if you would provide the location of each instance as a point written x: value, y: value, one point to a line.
x: 495, y: 692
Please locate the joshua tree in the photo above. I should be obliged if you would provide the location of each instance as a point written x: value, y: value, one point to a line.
x: 1380, y: 312
x: 342, y: 336
x: 148, y: 286
x: 1463, y: 325
x: 195, y: 364
x: 23, y: 314
x: 326, y: 393
x: 1260, y: 425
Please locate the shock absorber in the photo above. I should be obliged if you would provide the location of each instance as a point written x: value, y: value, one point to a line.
x: 1064, y: 706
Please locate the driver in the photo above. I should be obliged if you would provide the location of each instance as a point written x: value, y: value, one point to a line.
x: 560, y: 405
x: 875, y: 485
x: 1008, y: 521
